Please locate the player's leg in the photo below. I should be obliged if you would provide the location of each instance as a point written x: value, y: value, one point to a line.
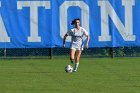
x: 77, y: 59
x: 72, y: 53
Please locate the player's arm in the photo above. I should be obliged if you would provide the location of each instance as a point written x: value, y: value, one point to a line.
x: 69, y: 33
x: 88, y: 37
x: 87, y: 40
x: 64, y: 40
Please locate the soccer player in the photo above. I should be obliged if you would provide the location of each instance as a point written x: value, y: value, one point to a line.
x: 77, y: 34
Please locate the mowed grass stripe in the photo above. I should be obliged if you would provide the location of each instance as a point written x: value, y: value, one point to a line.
x: 95, y: 75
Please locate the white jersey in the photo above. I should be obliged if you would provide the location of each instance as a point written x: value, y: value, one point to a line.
x: 77, y: 37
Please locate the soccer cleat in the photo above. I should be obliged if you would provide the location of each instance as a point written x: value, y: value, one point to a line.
x: 74, y: 70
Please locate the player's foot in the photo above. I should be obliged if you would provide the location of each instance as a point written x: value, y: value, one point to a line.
x: 74, y: 70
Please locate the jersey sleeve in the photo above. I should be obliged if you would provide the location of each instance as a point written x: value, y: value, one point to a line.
x: 69, y: 33
x: 85, y: 32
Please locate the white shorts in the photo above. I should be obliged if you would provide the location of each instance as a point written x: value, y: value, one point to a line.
x: 76, y: 48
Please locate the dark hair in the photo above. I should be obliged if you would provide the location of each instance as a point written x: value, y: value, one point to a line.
x: 73, y: 21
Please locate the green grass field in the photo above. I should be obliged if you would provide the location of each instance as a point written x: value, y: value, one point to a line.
x: 95, y: 75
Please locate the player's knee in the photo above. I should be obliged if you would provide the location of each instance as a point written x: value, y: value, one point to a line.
x: 78, y: 57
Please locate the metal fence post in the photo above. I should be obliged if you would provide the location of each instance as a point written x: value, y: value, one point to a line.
x: 5, y: 52
x: 51, y: 53
x: 112, y: 52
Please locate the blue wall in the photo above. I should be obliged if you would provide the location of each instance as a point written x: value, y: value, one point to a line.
x: 39, y: 24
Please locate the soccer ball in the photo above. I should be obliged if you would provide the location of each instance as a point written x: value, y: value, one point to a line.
x: 68, y: 68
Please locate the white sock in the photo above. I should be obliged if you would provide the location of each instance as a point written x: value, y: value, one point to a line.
x: 76, y: 66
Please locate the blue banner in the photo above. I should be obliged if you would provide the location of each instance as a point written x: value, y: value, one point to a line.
x: 43, y: 23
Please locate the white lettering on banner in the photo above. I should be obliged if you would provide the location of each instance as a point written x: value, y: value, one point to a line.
x: 34, y: 37
x: 63, y: 15
x: 3, y: 34
x: 107, y: 10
